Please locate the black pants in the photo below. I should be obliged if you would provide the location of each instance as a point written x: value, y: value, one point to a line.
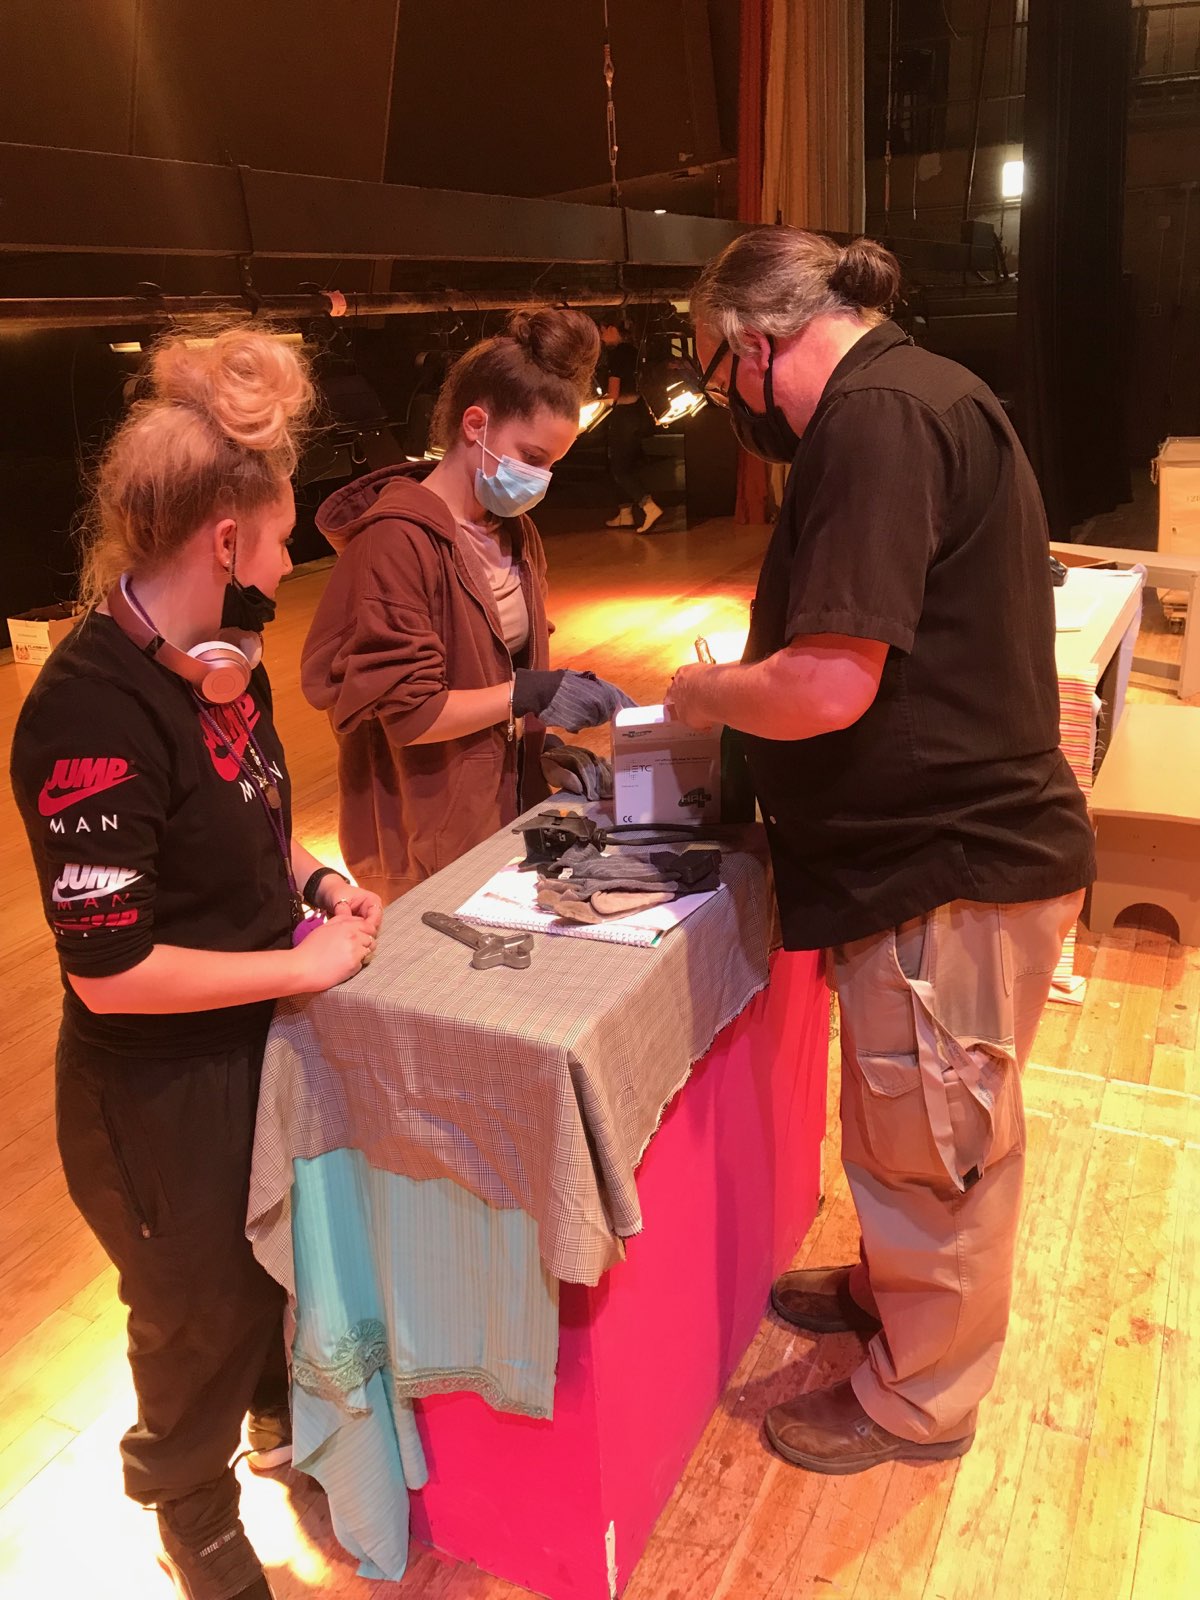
x: 157, y: 1158
x: 628, y: 427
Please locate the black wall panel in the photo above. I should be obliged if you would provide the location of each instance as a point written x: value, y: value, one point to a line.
x: 299, y: 85
x: 507, y: 96
x: 66, y: 72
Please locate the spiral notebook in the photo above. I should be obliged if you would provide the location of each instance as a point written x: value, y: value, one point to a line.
x: 509, y: 900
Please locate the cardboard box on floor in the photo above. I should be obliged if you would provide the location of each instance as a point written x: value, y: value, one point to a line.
x: 34, y: 634
x: 1176, y: 470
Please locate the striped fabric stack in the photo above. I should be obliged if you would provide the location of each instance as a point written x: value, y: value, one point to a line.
x: 1079, y: 707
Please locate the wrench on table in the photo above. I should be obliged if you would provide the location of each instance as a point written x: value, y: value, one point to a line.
x: 490, y: 949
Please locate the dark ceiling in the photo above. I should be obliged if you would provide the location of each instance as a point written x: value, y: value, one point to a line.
x: 500, y: 96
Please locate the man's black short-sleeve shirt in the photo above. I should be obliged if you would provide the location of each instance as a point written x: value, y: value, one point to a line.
x: 913, y: 517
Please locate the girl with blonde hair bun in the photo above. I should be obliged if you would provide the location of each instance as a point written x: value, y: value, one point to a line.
x: 155, y: 794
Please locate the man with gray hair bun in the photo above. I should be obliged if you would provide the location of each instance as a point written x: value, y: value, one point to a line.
x: 899, y: 707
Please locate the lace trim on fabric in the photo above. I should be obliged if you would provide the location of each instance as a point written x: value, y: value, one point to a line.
x: 363, y: 1351
x: 459, y: 1380
x: 359, y: 1354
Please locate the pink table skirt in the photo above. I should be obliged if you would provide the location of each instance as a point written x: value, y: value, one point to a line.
x: 728, y: 1188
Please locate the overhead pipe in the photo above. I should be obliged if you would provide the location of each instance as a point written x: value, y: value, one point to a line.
x: 136, y: 311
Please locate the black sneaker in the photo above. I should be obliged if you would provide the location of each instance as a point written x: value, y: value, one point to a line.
x: 260, y: 1589
x: 205, y: 1551
x: 270, y: 1435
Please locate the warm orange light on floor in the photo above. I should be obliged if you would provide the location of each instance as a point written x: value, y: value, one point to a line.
x: 1084, y: 1483
x: 727, y: 645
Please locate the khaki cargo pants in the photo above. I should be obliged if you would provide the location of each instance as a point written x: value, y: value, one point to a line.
x: 938, y: 1018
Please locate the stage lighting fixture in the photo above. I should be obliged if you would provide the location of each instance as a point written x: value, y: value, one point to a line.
x: 682, y: 401
x: 669, y: 378
x: 592, y: 412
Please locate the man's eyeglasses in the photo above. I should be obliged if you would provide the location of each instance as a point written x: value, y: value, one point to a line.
x: 715, y: 393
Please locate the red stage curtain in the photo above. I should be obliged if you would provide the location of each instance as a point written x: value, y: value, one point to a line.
x: 753, y: 494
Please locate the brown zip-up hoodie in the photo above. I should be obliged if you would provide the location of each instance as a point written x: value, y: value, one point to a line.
x: 407, y: 616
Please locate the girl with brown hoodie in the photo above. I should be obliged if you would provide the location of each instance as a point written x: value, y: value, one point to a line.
x: 431, y: 643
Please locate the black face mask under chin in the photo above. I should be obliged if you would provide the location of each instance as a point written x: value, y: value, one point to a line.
x: 767, y: 434
x: 246, y: 610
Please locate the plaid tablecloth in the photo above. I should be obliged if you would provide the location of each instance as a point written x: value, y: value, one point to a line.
x: 536, y: 1089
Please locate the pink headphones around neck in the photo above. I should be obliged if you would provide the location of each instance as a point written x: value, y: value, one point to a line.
x: 219, y: 669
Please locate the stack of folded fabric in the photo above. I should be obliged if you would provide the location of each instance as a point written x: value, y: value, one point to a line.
x: 587, y: 885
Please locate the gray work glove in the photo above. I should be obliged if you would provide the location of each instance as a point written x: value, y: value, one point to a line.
x: 583, y: 700
x: 572, y: 903
x: 533, y: 691
x: 601, y: 886
x: 633, y: 870
x: 575, y: 770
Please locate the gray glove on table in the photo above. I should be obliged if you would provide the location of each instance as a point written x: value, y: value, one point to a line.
x: 582, y: 700
x: 601, y: 886
x: 576, y: 770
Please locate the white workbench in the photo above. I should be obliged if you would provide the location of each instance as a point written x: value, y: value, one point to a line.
x: 1105, y: 604
x: 1164, y: 570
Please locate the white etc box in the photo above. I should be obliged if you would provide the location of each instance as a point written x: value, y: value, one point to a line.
x: 664, y: 771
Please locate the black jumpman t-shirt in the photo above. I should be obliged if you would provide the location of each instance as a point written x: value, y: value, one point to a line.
x: 146, y: 830
x: 912, y: 517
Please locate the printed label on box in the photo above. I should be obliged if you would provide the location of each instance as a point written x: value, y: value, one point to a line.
x: 34, y: 637
x: 663, y: 771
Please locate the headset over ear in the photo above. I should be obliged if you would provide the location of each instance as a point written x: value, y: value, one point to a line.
x: 219, y: 669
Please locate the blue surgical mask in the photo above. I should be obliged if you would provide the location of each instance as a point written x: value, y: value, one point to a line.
x: 513, y: 488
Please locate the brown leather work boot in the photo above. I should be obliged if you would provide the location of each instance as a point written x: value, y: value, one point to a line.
x: 828, y: 1431
x: 818, y: 1299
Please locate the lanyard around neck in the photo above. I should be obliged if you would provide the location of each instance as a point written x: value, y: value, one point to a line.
x: 267, y: 791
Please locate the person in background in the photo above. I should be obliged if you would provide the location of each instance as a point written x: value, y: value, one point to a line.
x: 155, y: 794
x: 629, y: 426
x: 430, y: 648
x: 899, y: 703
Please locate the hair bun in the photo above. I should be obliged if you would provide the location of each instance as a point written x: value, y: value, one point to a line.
x: 866, y: 275
x: 254, y: 388
x: 564, y: 343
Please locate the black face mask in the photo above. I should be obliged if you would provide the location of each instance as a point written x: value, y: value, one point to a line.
x: 246, y: 610
x: 767, y: 434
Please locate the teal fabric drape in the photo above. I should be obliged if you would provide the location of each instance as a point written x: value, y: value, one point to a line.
x: 404, y: 1289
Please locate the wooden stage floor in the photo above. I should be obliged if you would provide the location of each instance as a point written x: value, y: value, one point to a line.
x: 1085, y: 1478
